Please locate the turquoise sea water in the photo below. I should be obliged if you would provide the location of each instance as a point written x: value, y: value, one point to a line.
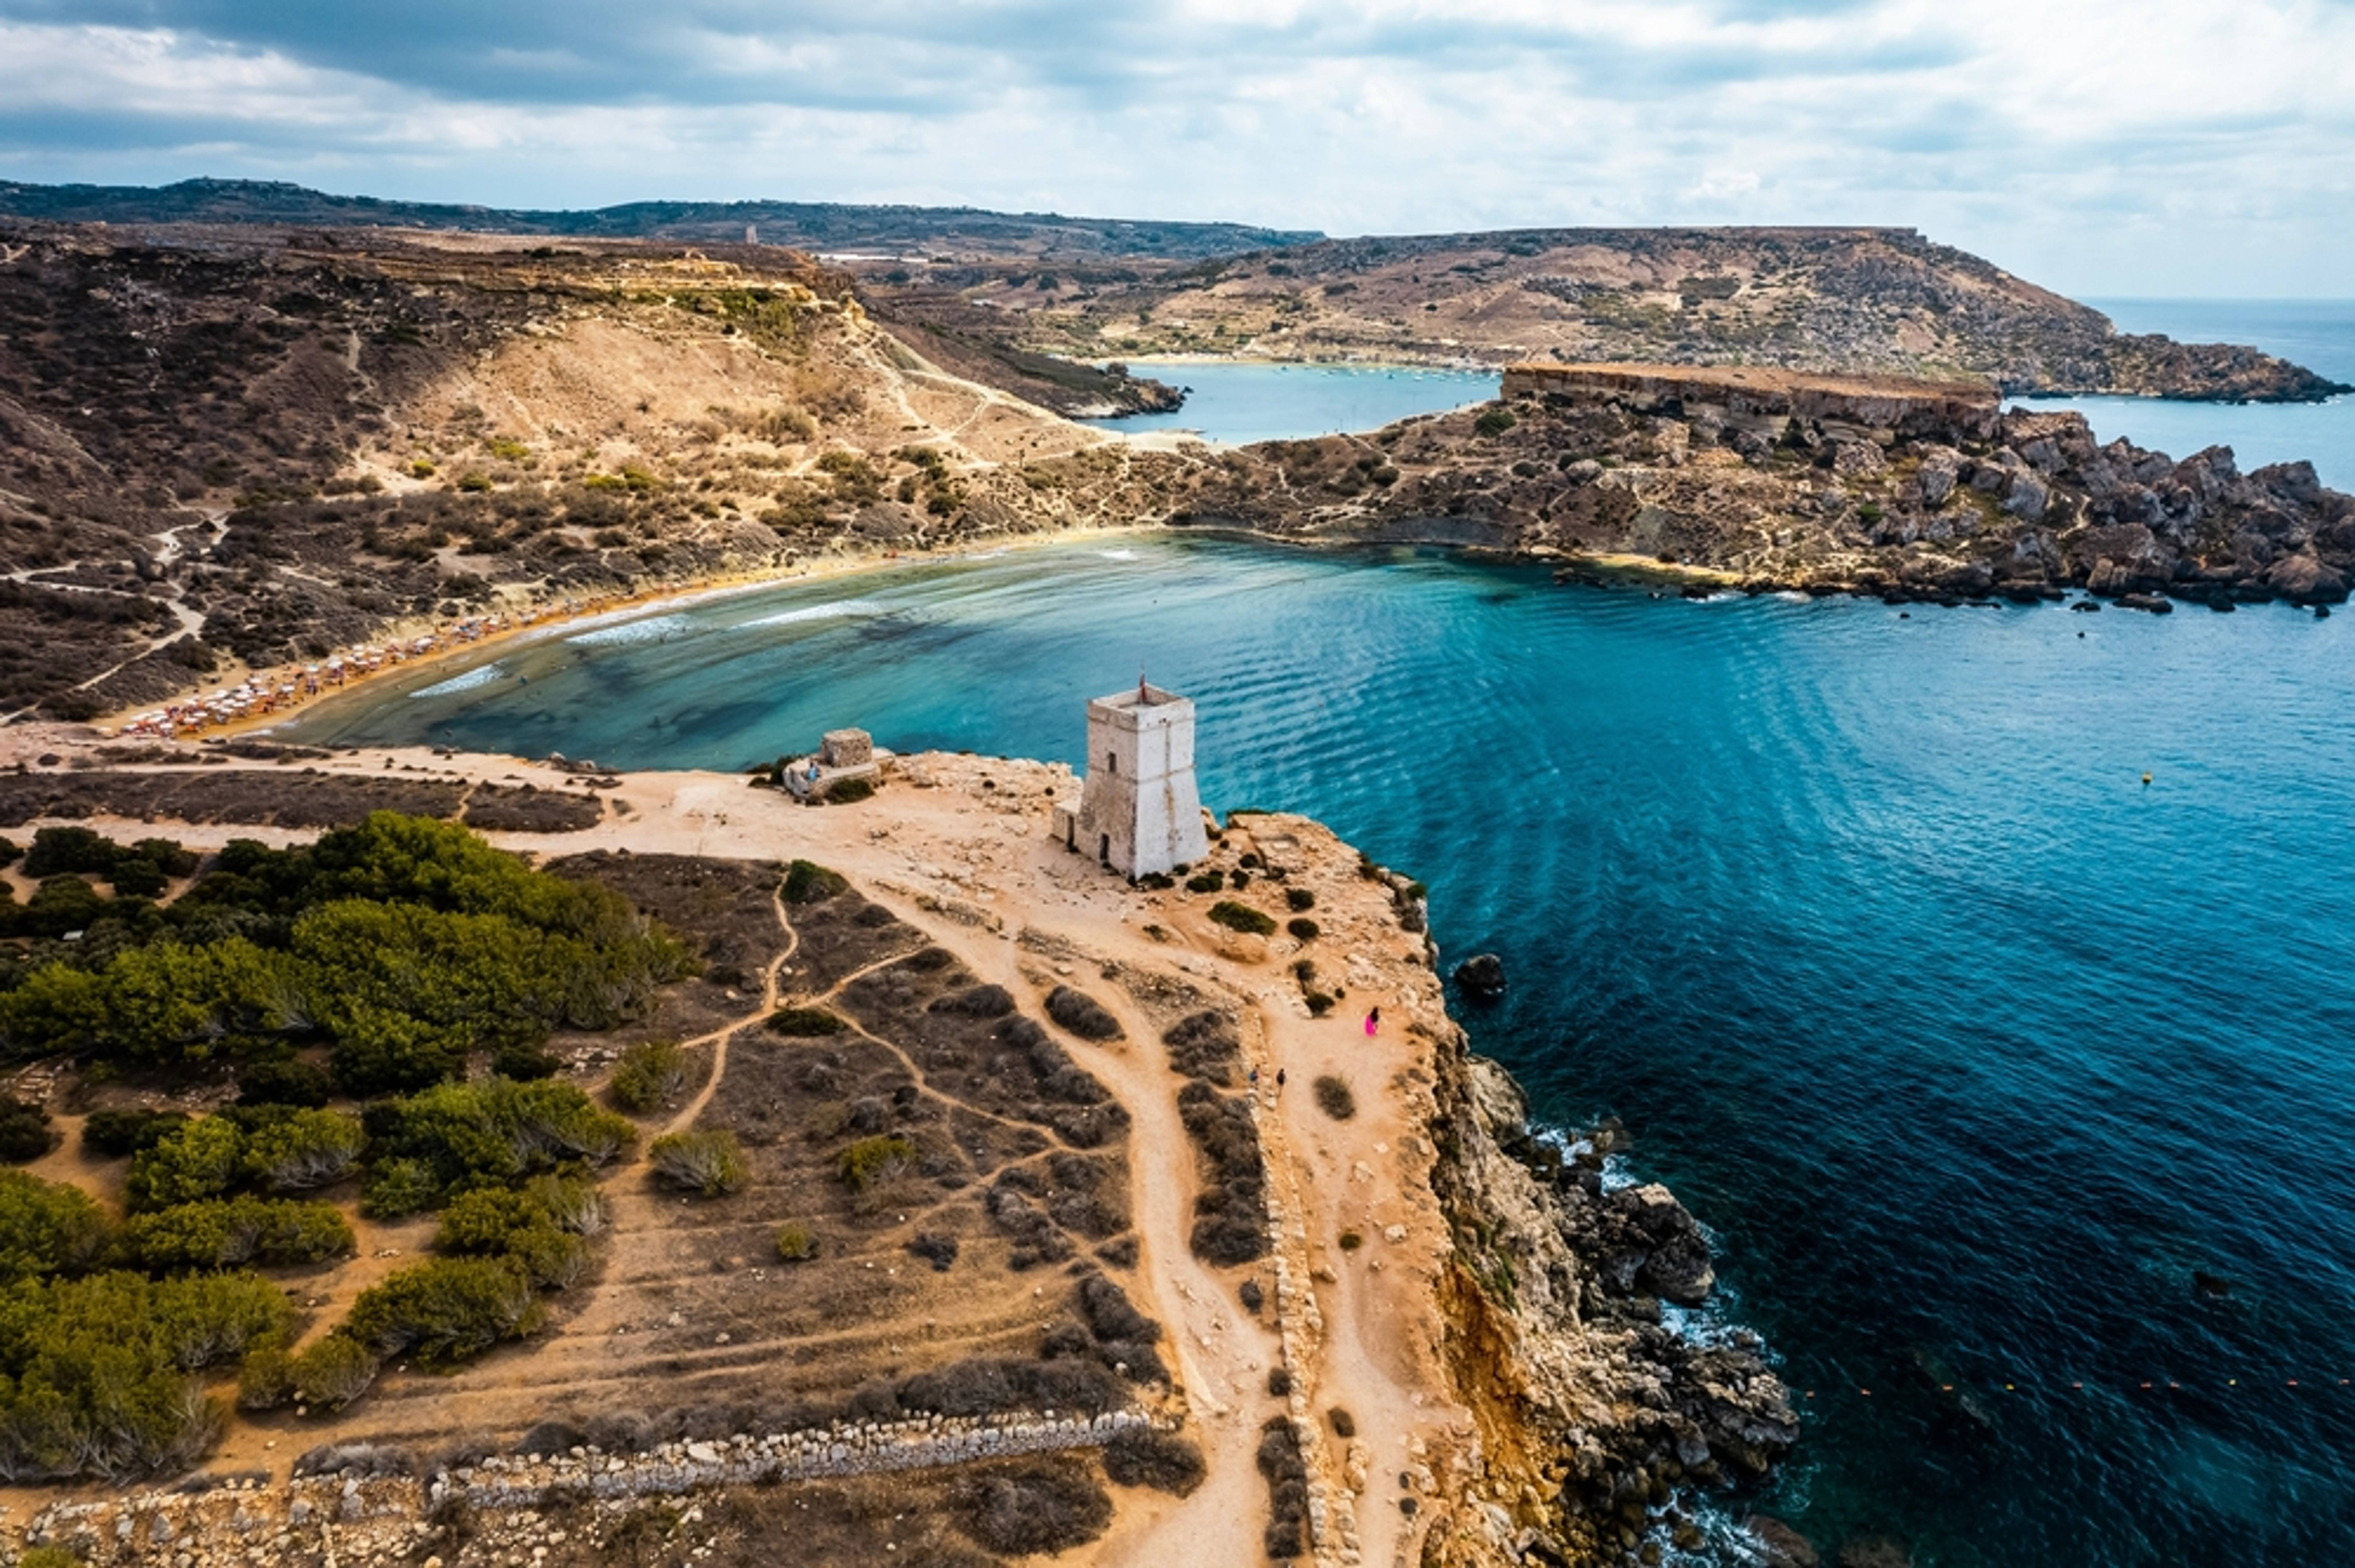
x: 1971, y: 1048
x: 1252, y: 402
x: 2317, y: 333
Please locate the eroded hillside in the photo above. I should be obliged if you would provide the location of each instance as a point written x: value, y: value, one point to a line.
x: 1881, y: 300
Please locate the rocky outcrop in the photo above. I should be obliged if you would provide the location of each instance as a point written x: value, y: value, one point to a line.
x: 1597, y: 1421
x: 1762, y: 480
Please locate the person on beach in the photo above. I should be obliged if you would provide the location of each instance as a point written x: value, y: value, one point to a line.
x: 1373, y: 1021
x: 1279, y: 1080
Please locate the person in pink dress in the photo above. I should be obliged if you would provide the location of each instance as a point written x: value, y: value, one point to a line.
x: 1373, y: 1021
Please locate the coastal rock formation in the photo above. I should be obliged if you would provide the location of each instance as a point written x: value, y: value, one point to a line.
x: 1602, y: 1414
x: 1481, y: 977
x: 1776, y: 479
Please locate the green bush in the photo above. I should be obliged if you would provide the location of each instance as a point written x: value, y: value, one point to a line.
x: 650, y: 1076
x: 1334, y: 1095
x: 872, y: 1162
x: 805, y: 1023
x: 447, y: 1309
x: 1495, y: 421
x: 526, y: 1063
x: 112, y: 1134
x: 1300, y: 900
x: 200, y: 1160
x: 97, y: 1374
x: 849, y: 791
x: 24, y: 1131
x: 333, y: 1372
x: 710, y: 1163
x: 289, y: 1083
x: 1242, y: 918
x: 796, y: 1242
x: 233, y: 1232
x: 48, y: 1228
x: 266, y: 1379
x: 492, y: 1132
x: 63, y: 851
x: 809, y: 883
x: 296, y: 1150
x: 1303, y: 928
x: 1210, y: 881
x: 48, y: 1557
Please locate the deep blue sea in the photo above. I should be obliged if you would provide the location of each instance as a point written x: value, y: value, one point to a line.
x: 1970, y: 1046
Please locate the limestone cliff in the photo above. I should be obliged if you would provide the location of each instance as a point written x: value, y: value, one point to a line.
x: 1596, y: 1423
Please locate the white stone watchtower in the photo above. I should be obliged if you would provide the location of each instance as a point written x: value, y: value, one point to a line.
x: 1139, y: 811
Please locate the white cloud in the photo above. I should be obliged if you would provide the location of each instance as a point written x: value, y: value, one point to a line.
x: 2194, y: 146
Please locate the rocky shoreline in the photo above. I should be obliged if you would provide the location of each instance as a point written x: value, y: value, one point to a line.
x: 1599, y: 1423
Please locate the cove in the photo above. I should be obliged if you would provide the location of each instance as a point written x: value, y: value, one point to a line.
x: 1973, y: 1050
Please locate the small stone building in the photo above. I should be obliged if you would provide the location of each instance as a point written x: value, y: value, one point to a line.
x: 842, y: 756
x: 1139, y: 811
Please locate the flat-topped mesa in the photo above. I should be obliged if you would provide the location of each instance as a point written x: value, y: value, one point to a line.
x: 1762, y: 398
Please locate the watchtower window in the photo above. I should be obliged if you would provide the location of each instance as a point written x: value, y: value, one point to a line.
x: 1112, y: 762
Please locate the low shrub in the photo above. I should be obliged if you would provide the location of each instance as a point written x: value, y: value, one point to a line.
x: 1242, y: 918
x: 872, y: 1162
x: 24, y: 1134
x: 299, y: 1084
x: 266, y: 1379
x: 1335, y: 1097
x: 234, y: 1233
x: 846, y: 791
x: 1204, y: 1045
x: 48, y: 1228
x: 1344, y: 1424
x: 115, y: 1133
x: 1287, y: 1489
x: 202, y: 1160
x: 1300, y: 900
x: 805, y: 1023
x: 796, y: 1242
x: 650, y: 1076
x: 1147, y: 1456
x: 940, y: 1251
x: 1351, y: 1240
x: 1303, y: 928
x: 333, y: 1372
x: 447, y: 1309
x: 297, y: 1151
x: 526, y: 1063
x: 1083, y: 1015
x: 710, y: 1163
x: 1210, y: 881
x: 1495, y: 421
x: 1027, y: 1506
x: 809, y: 883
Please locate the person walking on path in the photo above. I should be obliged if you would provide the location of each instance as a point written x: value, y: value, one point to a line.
x: 1279, y: 1080
x: 1373, y: 1021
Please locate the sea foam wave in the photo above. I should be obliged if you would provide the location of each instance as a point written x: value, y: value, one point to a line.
x: 833, y: 609
x: 655, y: 631
x: 482, y: 676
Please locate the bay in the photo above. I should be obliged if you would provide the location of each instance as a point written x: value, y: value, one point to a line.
x: 1974, y: 1050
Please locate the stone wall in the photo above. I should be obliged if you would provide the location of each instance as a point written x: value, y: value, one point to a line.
x: 248, y: 1520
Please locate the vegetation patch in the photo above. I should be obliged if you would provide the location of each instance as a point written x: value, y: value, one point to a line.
x: 1231, y: 1211
x: 805, y: 1023
x: 1334, y: 1096
x: 1083, y: 1015
x: 711, y: 1164
x: 1242, y: 918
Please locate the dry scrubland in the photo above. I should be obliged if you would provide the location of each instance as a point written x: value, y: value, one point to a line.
x: 879, y: 1174
x: 224, y: 451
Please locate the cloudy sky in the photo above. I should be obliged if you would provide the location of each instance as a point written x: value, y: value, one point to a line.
x: 2102, y: 147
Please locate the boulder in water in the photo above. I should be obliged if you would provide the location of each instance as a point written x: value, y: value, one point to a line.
x: 1481, y: 976
x: 1780, y: 1545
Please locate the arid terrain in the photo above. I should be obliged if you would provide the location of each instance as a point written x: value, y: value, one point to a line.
x: 230, y: 455
x: 1147, y: 1174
